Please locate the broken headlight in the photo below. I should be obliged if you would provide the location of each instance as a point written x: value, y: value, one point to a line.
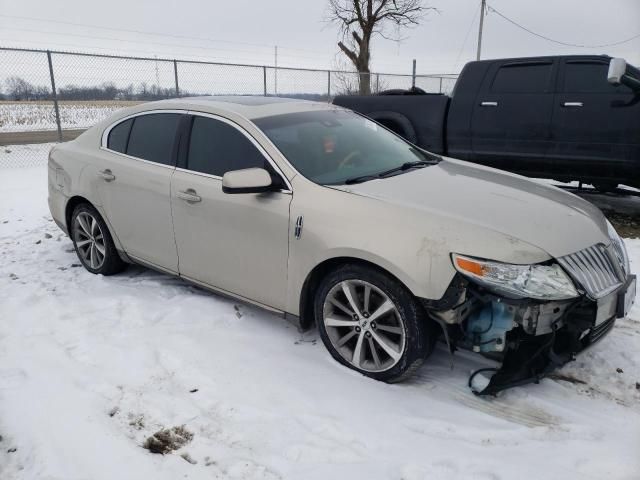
x: 541, y: 282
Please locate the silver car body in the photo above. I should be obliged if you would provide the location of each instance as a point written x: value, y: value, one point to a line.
x: 408, y: 224
x: 264, y: 249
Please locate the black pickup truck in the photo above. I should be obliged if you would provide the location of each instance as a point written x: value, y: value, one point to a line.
x: 566, y: 118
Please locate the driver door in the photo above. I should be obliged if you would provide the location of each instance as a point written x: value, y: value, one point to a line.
x: 237, y: 243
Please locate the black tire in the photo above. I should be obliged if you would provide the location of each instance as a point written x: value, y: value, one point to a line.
x: 111, y: 262
x: 420, y: 332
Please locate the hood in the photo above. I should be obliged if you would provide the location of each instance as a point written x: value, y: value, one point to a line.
x: 547, y: 217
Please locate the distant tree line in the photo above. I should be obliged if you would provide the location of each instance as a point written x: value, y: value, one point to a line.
x: 18, y: 89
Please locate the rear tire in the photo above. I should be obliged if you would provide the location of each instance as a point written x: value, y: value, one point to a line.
x: 371, y: 323
x: 93, y: 242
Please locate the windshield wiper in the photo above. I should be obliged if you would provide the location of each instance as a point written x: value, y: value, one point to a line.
x: 405, y: 166
x: 400, y: 168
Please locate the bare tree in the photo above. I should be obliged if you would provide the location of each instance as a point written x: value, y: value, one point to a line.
x: 360, y: 20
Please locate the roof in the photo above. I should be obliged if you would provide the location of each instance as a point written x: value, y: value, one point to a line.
x: 248, y: 106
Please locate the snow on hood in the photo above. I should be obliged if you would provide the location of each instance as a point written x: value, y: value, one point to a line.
x: 547, y: 217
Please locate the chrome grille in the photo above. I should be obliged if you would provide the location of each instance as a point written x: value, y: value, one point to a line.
x: 597, y: 269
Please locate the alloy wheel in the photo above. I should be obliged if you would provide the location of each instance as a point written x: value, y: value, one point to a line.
x: 89, y: 240
x: 364, y: 325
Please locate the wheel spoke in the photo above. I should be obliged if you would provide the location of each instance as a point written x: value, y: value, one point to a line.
x: 83, y: 224
x: 386, y: 307
x: 341, y: 306
x: 374, y: 353
x: 346, y: 338
x: 390, y: 329
x: 350, y: 293
x: 92, y: 256
x: 100, y: 248
x: 357, y: 352
x: 386, y: 347
x: 338, y: 322
x: 93, y: 225
x: 367, y: 298
x: 82, y: 243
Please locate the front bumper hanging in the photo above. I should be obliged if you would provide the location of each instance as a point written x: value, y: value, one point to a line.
x: 528, y: 358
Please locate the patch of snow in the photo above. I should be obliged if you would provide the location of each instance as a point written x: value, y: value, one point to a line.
x: 91, y: 366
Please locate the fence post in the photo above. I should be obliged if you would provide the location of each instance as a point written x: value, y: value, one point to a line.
x: 413, y: 75
x: 440, y: 91
x: 264, y: 79
x: 175, y: 74
x: 55, y: 96
x: 377, y: 83
x: 328, y: 86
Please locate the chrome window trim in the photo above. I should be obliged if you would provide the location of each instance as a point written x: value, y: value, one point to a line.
x: 250, y: 137
x: 105, y: 138
x: 105, y: 134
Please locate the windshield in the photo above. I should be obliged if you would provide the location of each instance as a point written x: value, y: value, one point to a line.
x: 332, y: 147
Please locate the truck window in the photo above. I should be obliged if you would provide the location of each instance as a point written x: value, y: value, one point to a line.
x: 523, y: 78
x: 589, y: 77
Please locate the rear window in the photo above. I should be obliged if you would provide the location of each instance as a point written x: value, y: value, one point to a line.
x: 119, y: 135
x: 523, y: 78
x: 152, y: 137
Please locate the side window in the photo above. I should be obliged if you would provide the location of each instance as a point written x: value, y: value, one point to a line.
x: 589, y: 77
x: 152, y: 137
x: 523, y: 78
x: 216, y: 147
x: 119, y: 135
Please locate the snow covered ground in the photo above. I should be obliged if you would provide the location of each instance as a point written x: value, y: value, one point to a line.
x: 91, y: 366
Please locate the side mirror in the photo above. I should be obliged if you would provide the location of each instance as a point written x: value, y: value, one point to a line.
x: 617, y: 69
x: 248, y: 180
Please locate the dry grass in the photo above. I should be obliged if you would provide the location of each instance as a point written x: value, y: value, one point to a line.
x: 168, y: 439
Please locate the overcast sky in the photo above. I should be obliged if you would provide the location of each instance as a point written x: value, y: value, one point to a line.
x: 245, y: 31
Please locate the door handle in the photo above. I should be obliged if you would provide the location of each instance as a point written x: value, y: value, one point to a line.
x: 573, y: 104
x: 488, y: 104
x: 106, y: 175
x: 189, y: 196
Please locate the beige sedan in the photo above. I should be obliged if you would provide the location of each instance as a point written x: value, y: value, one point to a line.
x: 323, y: 216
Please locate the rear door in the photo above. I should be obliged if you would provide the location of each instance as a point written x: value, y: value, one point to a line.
x: 237, y: 243
x: 135, y: 186
x: 511, y: 120
x: 596, y: 126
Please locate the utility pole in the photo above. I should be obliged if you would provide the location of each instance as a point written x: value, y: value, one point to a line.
x: 413, y: 76
x: 482, y: 10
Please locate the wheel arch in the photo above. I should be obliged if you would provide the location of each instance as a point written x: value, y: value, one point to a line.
x: 397, y: 123
x: 315, y: 276
x: 76, y: 200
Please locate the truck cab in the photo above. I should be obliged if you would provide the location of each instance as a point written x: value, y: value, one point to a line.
x: 569, y: 118
x: 548, y: 116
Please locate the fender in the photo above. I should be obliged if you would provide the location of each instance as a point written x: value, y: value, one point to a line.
x: 404, y: 126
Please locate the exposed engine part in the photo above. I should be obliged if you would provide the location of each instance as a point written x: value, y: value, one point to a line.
x: 486, y: 329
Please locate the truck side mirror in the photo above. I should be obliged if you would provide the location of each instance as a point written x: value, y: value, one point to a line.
x: 617, y: 69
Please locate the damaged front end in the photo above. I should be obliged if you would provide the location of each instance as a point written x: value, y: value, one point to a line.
x: 497, y: 316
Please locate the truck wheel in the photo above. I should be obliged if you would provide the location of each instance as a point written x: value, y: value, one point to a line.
x: 372, y: 324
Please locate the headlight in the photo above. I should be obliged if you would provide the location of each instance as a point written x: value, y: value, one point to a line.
x: 619, y: 248
x: 542, y: 282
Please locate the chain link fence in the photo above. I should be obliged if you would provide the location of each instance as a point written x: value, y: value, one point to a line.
x: 51, y: 96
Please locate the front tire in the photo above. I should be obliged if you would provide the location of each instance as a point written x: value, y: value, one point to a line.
x: 371, y: 323
x: 93, y: 243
